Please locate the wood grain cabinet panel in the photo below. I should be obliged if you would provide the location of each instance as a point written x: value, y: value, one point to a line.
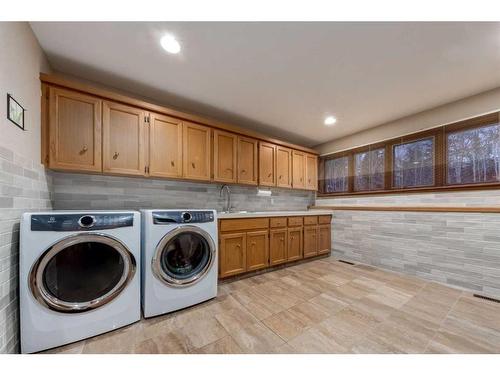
x: 310, y: 241
x: 196, y: 151
x: 165, y: 146
x: 257, y: 250
x: 267, y: 164
x: 225, y: 154
x: 294, y: 244
x: 278, y: 246
x: 298, y: 170
x: 232, y: 254
x: 311, y: 172
x: 74, y: 131
x: 283, y: 167
x: 247, y: 161
x: 324, y: 239
x: 123, y: 139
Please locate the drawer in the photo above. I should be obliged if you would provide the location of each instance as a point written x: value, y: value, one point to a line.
x: 227, y: 225
x: 295, y: 221
x: 310, y: 220
x: 278, y: 222
x: 325, y: 219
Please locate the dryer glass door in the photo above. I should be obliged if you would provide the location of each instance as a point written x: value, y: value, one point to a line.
x: 184, y: 256
x: 82, y: 272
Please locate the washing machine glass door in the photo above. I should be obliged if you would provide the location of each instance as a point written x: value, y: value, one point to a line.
x: 81, y: 273
x: 183, y: 256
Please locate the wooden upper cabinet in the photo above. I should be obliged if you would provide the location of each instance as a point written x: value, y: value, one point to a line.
x: 311, y: 172
x: 123, y: 138
x: 196, y: 151
x: 298, y: 170
x: 267, y: 164
x: 225, y: 151
x: 283, y: 167
x: 257, y: 250
x: 165, y: 146
x: 74, y: 131
x: 247, y: 160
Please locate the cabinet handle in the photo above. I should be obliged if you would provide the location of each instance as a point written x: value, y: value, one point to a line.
x: 243, y: 171
x: 172, y: 163
x: 229, y: 169
x: 281, y: 177
x: 269, y: 175
x: 115, y: 156
x: 83, y: 150
x: 238, y: 246
x: 282, y: 239
x: 252, y: 243
x: 193, y: 165
x: 300, y: 179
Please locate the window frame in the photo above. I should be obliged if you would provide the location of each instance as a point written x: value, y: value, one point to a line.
x: 440, y: 135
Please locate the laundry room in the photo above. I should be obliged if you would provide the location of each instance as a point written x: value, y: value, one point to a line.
x: 223, y: 187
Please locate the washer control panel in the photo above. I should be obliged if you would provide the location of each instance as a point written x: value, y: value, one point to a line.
x: 182, y: 217
x: 80, y: 222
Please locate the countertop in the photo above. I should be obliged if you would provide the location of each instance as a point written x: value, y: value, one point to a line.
x: 242, y: 215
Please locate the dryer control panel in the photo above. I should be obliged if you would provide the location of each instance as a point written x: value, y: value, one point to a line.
x: 182, y: 217
x: 80, y: 222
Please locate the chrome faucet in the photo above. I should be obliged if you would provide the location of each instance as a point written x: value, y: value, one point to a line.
x: 228, y: 197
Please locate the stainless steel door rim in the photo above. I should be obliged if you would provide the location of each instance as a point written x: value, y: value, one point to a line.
x: 47, y: 299
x: 172, y: 281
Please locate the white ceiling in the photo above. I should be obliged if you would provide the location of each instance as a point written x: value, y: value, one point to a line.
x: 284, y: 78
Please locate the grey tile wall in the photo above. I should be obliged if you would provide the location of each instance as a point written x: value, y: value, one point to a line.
x: 462, y: 250
x: 24, y: 186
x: 80, y: 191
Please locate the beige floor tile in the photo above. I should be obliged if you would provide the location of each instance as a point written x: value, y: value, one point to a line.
x: 315, y: 341
x: 478, y: 311
x: 119, y: 341
x: 202, y: 333
x: 235, y: 319
x: 309, y: 313
x: 286, y: 325
x: 329, y: 303
x: 278, y: 295
x: 257, y: 338
x: 225, y: 345
x: 447, y: 342
x: 483, y: 336
x: 389, y: 296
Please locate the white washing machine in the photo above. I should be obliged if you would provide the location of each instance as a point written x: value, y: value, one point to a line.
x: 79, y: 275
x: 179, y: 259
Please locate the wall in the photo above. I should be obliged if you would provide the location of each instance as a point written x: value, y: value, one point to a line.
x: 80, y: 191
x: 24, y: 185
x: 473, y: 106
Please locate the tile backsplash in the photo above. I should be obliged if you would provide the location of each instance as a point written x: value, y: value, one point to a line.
x: 24, y: 186
x: 81, y: 191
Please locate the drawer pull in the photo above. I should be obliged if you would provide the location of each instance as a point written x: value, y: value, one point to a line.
x: 83, y: 150
x: 172, y: 163
x: 115, y: 156
x: 193, y: 165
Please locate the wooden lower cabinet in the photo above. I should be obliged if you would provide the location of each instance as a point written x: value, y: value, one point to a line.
x: 294, y: 244
x: 278, y: 246
x: 257, y: 250
x: 232, y: 254
x: 324, y: 238
x: 310, y: 241
x: 250, y: 244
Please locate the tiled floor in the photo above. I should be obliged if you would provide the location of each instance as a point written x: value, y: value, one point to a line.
x: 319, y: 307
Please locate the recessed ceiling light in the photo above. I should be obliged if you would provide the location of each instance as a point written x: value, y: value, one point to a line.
x: 330, y: 120
x: 170, y: 44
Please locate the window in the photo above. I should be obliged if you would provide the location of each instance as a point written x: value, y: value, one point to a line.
x: 456, y: 156
x: 473, y: 155
x: 413, y: 163
x: 369, y: 170
x: 337, y: 175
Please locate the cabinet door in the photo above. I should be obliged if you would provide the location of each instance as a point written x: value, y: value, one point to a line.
x: 196, y: 151
x: 294, y: 243
x: 225, y: 150
x: 247, y: 160
x: 74, y: 131
x: 123, y: 139
x: 283, y: 167
x: 311, y: 172
x: 298, y: 170
x: 310, y: 241
x: 278, y: 246
x: 232, y: 254
x: 267, y: 164
x: 257, y: 250
x: 325, y: 238
x: 165, y: 146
